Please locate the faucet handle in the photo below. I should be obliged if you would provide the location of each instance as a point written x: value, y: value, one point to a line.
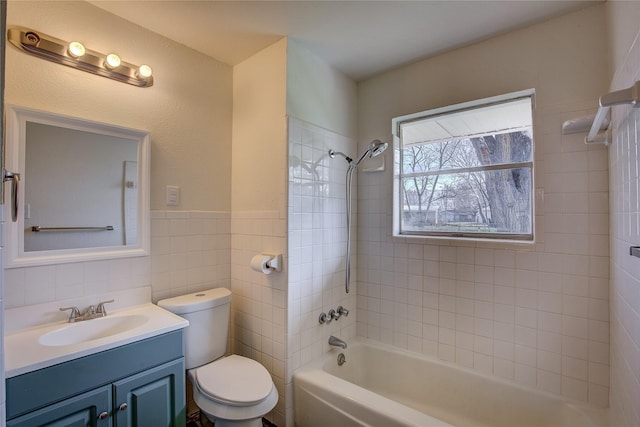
x: 100, y: 310
x: 325, y: 318
x: 342, y: 311
x: 75, y: 313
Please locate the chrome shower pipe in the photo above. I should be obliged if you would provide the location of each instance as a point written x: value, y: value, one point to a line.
x: 332, y: 154
x: 375, y: 148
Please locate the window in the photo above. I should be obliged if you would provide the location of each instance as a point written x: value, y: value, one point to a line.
x: 466, y: 171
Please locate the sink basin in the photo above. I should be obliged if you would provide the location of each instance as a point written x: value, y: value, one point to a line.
x: 91, y: 330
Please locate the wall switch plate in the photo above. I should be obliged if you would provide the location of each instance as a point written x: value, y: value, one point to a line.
x: 173, y: 195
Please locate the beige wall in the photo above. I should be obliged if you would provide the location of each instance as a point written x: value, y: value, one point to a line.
x: 187, y: 110
x: 259, y: 131
x: 318, y: 94
x: 258, y: 219
x: 538, y: 314
x: 541, y: 56
x: 188, y: 113
x: 622, y: 28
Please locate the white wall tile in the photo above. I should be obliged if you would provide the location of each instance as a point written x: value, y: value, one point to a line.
x: 521, y: 310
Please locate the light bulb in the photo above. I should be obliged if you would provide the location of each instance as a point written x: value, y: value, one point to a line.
x: 144, y: 72
x: 113, y: 61
x: 76, y: 49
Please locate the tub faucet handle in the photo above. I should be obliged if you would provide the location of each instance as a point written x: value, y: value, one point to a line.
x: 334, y: 315
x: 325, y: 318
x: 342, y: 311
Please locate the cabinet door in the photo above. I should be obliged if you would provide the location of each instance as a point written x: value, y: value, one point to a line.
x: 90, y: 409
x: 152, y: 398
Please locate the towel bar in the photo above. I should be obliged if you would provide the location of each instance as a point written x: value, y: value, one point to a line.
x: 37, y: 228
x: 630, y: 95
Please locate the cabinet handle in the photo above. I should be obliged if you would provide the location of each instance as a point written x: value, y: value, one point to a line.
x: 104, y: 415
x: 123, y: 407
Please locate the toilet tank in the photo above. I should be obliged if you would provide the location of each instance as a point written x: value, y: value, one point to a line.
x: 205, y: 339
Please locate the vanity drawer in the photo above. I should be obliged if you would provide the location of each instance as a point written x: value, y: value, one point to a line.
x: 47, y: 386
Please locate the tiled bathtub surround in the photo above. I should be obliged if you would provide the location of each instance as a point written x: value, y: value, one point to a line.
x: 624, y: 166
x: 625, y: 280
x: 317, y: 244
x: 536, y: 314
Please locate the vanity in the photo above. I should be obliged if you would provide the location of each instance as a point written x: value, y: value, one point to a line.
x: 125, y: 369
x: 121, y: 369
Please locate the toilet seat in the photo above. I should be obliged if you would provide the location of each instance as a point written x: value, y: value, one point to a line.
x: 234, y: 381
x: 221, y: 404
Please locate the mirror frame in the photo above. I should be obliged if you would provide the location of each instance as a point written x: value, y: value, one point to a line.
x: 14, y: 254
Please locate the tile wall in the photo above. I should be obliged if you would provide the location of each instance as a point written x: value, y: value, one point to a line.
x: 535, y: 314
x: 191, y: 251
x: 259, y: 305
x: 624, y: 161
x: 317, y: 245
x: 43, y: 284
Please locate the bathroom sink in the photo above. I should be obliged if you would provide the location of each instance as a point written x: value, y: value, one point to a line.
x: 90, y: 330
x: 40, y: 346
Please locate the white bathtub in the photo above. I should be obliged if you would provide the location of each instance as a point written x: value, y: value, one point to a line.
x: 383, y: 386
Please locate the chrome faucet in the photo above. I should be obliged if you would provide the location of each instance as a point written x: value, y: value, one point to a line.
x: 337, y: 342
x: 89, y: 313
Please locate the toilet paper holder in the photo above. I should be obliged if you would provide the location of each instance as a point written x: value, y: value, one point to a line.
x: 267, y: 263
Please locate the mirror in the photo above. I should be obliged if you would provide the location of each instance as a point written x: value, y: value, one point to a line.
x: 83, y: 192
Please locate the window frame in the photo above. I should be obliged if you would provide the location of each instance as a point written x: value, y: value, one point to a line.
x: 398, y: 175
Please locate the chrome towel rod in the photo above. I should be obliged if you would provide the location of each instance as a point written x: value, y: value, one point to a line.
x: 630, y: 96
x: 37, y: 228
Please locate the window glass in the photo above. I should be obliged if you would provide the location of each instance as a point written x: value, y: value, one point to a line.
x: 466, y: 170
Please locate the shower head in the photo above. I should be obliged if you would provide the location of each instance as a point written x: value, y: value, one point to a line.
x: 375, y: 148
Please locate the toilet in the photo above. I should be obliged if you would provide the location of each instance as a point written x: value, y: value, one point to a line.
x: 232, y: 391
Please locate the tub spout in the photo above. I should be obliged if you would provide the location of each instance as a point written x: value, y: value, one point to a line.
x: 337, y: 342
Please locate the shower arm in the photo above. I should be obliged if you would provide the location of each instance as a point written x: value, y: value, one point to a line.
x: 332, y: 154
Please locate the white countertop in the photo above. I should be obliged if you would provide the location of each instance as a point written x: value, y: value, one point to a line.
x: 24, y: 352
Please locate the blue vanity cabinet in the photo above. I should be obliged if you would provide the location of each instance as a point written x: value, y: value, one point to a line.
x: 90, y: 409
x: 136, y: 385
x: 149, y: 399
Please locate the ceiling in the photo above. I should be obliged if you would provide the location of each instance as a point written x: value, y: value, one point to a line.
x: 359, y: 38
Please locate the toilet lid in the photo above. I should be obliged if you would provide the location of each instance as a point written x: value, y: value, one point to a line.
x: 235, y: 380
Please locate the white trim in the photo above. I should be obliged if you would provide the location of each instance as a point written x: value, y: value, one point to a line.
x: 398, y: 175
x: 15, y: 255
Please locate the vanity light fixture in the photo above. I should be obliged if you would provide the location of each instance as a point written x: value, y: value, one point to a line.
x: 75, y: 55
x: 76, y: 49
x: 112, y: 61
x: 144, y: 72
